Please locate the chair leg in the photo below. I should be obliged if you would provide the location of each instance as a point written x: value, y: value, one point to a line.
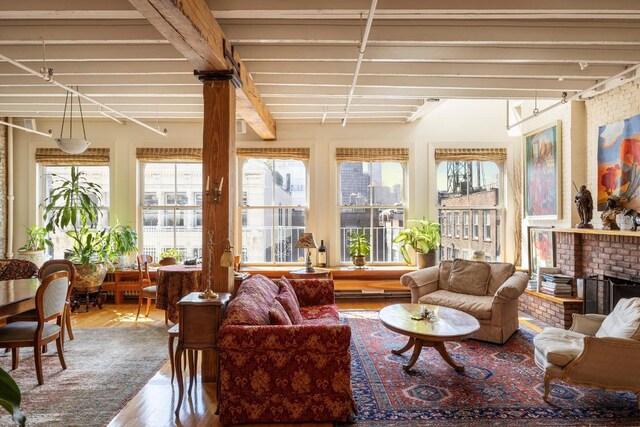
x: 638, y: 396
x: 45, y: 349
x: 38, y: 361
x: 146, y: 314
x: 139, y: 304
x: 15, y: 358
x: 173, y: 365
x: 68, y: 321
x: 178, y: 362
x: 547, y: 387
x: 60, y: 347
x: 166, y: 318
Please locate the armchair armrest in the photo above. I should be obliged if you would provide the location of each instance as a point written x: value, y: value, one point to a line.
x: 313, y: 291
x: 512, y: 288
x: 587, y: 324
x: 421, y: 282
x: 611, y: 363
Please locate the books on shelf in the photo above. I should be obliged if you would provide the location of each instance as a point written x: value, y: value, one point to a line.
x: 555, y: 284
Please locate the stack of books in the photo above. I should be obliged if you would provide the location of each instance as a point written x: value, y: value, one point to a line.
x: 556, y: 284
x: 533, y: 283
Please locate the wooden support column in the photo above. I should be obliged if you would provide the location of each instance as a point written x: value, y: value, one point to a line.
x: 218, y: 161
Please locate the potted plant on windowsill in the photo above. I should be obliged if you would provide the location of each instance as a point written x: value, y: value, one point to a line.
x: 170, y: 257
x: 359, y: 247
x: 124, y: 241
x: 74, y: 207
x: 423, y: 238
x: 37, y: 243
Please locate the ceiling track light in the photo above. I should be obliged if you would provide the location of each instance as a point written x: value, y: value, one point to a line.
x: 26, y: 129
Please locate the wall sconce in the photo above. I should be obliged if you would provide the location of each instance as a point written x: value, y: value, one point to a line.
x: 216, y: 192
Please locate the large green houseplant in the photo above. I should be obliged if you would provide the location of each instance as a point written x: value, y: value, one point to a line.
x: 124, y: 241
x: 359, y: 247
x: 74, y: 207
x: 423, y: 237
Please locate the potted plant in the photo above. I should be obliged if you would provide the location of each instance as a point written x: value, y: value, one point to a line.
x: 74, y: 207
x: 124, y: 241
x: 359, y: 247
x: 170, y: 257
x: 37, y: 243
x: 423, y: 238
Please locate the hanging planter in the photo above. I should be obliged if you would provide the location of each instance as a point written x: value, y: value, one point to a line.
x: 72, y: 145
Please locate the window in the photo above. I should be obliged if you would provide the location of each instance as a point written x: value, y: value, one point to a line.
x: 371, y: 197
x: 177, y: 222
x: 273, y: 209
x: 465, y: 225
x: 486, y: 221
x: 473, y: 189
x: 449, y: 224
x: 49, y: 175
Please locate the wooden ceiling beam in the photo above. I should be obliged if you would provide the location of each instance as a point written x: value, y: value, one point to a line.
x: 193, y: 31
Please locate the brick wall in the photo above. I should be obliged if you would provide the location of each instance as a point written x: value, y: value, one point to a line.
x: 553, y: 313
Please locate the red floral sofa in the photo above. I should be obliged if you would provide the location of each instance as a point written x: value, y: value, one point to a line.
x: 278, y: 373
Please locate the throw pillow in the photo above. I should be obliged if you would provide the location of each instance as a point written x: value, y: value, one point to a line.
x: 500, y: 272
x: 278, y: 315
x: 623, y: 321
x: 284, y: 282
x: 469, y: 277
x: 290, y: 304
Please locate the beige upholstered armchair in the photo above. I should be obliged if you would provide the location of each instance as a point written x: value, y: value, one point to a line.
x: 599, y: 351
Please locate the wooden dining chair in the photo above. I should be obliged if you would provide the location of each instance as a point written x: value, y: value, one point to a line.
x: 50, y: 267
x: 50, y: 305
x: 147, y: 291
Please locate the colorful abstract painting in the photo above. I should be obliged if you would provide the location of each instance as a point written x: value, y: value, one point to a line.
x: 542, y: 173
x: 619, y: 162
x: 541, y: 248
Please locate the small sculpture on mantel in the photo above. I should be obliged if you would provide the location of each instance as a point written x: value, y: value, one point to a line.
x: 584, y: 203
x: 612, y: 210
x: 634, y: 216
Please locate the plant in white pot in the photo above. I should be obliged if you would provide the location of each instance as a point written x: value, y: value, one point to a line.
x: 74, y: 207
x: 423, y: 238
x: 37, y: 244
x: 124, y: 241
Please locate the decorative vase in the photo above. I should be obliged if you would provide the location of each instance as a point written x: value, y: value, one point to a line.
x: 424, y: 260
x: 359, y: 260
x: 90, y: 276
x: 168, y: 261
x: 36, y: 257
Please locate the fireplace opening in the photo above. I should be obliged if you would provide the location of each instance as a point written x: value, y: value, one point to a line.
x: 602, y: 295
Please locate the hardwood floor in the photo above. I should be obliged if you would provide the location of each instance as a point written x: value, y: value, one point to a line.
x: 154, y: 404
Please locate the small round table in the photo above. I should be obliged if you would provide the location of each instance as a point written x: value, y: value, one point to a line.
x: 317, y: 273
x: 450, y: 325
x: 173, y: 283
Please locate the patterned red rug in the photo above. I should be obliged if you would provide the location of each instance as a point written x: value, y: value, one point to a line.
x: 501, y: 385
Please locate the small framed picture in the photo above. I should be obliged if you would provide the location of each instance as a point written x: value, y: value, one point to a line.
x: 542, y: 248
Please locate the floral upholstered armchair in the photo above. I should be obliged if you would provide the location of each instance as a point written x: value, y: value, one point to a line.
x: 280, y: 368
x: 599, y: 351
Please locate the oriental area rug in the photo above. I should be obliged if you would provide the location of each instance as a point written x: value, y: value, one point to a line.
x: 501, y: 385
x: 106, y: 367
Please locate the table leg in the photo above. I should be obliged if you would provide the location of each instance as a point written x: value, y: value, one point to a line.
x: 445, y: 355
x: 405, y: 348
x: 417, y: 348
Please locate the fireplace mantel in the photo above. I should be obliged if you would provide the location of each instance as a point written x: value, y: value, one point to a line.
x: 594, y: 231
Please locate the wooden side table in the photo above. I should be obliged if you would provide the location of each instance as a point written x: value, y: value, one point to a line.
x: 318, y: 273
x: 200, y: 320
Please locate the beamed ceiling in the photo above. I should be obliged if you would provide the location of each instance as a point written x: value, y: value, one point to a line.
x: 302, y: 54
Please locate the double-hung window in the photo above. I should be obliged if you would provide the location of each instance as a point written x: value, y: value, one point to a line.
x: 371, y: 197
x: 273, y: 204
x: 171, y: 201
x: 469, y: 183
x: 55, y: 165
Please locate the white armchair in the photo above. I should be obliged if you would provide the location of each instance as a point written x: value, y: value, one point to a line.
x: 599, y: 351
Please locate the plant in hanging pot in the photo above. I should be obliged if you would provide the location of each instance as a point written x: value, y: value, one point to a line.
x: 359, y: 247
x: 74, y: 207
x: 124, y: 241
x: 423, y: 238
x: 37, y: 243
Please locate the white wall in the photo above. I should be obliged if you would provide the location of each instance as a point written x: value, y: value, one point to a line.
x: 457, y: 123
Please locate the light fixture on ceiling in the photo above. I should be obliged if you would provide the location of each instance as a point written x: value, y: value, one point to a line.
x: 583, y: 65
x: 536, y: 111
x: 72, y: 145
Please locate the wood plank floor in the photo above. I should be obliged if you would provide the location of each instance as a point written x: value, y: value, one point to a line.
x: 155, y: 403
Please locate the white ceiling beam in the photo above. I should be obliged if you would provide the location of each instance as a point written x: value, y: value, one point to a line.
x: 107, y: 80
x: 396, y: 94
x: 123, y: 68
x: 107, y: 53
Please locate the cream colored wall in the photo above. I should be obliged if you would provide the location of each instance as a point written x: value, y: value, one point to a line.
x: 456, y: 123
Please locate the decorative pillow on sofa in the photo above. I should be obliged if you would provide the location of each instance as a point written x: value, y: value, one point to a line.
x: 278, y: 315
x: 18, y: 269
x: 469, y: 277
x: 284, y: 282
x: 623, y: 322
x: 443, y: 276
x: 290, y: 303
x: 500, y: 272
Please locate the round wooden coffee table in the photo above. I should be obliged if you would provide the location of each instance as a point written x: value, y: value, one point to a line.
x: 450, y: 325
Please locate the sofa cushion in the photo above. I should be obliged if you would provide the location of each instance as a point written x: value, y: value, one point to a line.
x: 278, y: 315
x: 500, y: 272
x: 284, y: 282
x: 445, y: 271
x: 559, y: 347
x: 290, y: 303
x: 469, y: 277
x: 314, y: 312
x: 623, y: 321
x: 477, y: 306
x: 252, y: 302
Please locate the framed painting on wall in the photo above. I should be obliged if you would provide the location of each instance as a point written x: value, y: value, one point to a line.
x: 542, y: 172
x: 619, y: 162
x: 542, y: 248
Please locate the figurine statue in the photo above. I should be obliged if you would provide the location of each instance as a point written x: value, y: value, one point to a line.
x: 612, y: 210
x: 584, y: 203
x: 635, y: 218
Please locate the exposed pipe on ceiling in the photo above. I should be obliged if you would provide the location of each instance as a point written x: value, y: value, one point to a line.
x: 361, y: 50
x: 11, y: 125
x: 577, y: 95
x: 48, y: 78
x: 10, y: 190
